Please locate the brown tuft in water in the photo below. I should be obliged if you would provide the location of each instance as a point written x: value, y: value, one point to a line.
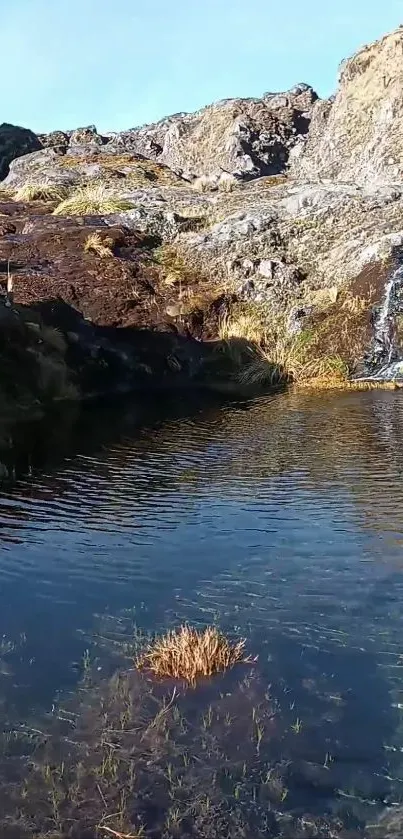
x: 190, y: 654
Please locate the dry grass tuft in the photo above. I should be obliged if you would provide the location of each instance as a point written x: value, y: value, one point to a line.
x: 92, y: 200
x: 261, y: 372
x: 6, y: 192
x: 227, y: 183
x: 279, y: 356
x: 176, y: 271
x: 248, y: 365
x: 94, y: 243
x: 205, y: 183
x: 41, y: 192
x: 247, y: 324
x: 190, y: 654
x: 305, y: 366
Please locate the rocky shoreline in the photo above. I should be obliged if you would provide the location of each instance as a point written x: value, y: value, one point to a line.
x: 248, y: 243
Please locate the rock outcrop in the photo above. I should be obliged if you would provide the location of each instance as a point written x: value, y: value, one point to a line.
x: 285, y: 209
x: 14, y: 142
x: 245, y: 137
x: 358, y: 136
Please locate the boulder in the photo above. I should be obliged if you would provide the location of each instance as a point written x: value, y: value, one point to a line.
x: 39, y: 167
x: 56, y: 139
x: 15, y: 142
x: 87, y: 136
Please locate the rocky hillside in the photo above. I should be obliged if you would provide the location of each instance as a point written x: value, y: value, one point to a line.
x: 359, y: 135
x: 244, y: 137
x: 276, y: 220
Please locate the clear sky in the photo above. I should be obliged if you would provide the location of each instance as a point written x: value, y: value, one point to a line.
x: 120, y: 63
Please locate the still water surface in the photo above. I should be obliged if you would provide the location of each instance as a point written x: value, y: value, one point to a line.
x: 281, y: 519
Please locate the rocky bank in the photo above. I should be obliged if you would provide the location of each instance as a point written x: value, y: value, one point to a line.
x: 274, y: 222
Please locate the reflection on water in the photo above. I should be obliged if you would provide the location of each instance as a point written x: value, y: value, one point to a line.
x: 280, y: 519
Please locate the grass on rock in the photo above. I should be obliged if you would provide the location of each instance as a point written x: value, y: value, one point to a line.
x: 261, y: 371
x: 41, y: 192
x: 6, y: 192
x: 92, y: 200
x: 190, y: 654
x: 243, y: 323
x: 298, y: 358
x: 100, y: 246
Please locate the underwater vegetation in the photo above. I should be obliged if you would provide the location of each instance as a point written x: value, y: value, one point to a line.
x: 148, y: 752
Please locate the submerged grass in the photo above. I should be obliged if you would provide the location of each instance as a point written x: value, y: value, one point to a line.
x: 189, y: 654
x: 92, y: 199
x: 128, y: 756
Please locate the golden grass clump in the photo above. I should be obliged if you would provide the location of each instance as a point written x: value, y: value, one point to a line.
x: 190, y: 654
x: 279, y: 356
x: 262, y: 372
x: 41, y: 192
x: 6, y: 192
x: 205, y: 183
x: 102, y: 247
x: 227, y: 183
x: 246, y: 324
x: 92, y: 200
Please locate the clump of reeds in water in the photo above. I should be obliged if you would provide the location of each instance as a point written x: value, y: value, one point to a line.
x: 190, y: 654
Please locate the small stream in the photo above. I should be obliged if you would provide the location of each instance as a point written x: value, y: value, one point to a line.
x: 280, y: 519
x: 386, y: 361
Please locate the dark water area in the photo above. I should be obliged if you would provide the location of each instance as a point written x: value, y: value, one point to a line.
x: 279, y: 519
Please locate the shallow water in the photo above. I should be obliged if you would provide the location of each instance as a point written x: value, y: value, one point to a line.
x: 280, y: 519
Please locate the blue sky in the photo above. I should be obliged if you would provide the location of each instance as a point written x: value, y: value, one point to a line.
x: 120, y: 63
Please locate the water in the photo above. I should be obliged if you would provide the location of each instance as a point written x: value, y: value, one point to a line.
x: 279, y: 519
x: 386, y: 354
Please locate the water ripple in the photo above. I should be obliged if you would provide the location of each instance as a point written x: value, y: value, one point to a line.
x: 282, y: 518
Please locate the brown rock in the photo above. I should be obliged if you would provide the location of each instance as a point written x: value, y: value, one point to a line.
x: 6, y: 227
